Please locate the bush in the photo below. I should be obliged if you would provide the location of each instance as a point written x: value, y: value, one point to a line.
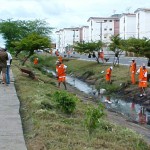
x: 65, y: 101
x: 92, y: 118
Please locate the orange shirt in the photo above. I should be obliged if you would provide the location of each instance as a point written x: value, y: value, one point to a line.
x: 101, y: 55
x: 142, y: 77
x: 35, y: 61
x: 60, y: 58
x: 133, y: 67
x: 61, y: 70
x: 108, y: 74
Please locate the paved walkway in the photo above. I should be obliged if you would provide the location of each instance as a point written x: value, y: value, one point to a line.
x: 11, y: 133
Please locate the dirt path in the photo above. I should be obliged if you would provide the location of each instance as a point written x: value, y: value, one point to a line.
x: 115, y: 117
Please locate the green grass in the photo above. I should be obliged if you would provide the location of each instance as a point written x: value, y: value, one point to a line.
x: 51, y: 129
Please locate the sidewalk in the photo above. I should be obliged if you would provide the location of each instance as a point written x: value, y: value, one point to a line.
x: 11, y: 133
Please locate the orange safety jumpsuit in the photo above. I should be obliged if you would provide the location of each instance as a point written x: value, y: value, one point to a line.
x: 61, y: 72
x: 102, y: 55
x: 60, y: 58
x: 35, y: 61
x: 108, y: 74
x: 142, y: 77
x: 133, y: 71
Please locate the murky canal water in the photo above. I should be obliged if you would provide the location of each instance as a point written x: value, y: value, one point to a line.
x: 134, y: 112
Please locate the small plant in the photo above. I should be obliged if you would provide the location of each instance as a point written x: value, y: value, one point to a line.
x: 65, y: 101
x: 92, y: 117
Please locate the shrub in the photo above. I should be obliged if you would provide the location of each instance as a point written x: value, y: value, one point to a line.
x: 92, y: 117
x: 65, y: 101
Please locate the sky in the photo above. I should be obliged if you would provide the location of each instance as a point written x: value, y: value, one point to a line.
x: 66, y: 13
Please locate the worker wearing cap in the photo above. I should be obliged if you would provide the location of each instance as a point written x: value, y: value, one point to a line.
x: 108, y: 74
x: 61, y: 73
x: 142, y: 71
x: 133, y: 70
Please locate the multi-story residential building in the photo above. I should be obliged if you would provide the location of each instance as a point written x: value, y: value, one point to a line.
x: 101, y: 28
x: 127, y: 25
x: 69, y: 36
x: 142, y: 23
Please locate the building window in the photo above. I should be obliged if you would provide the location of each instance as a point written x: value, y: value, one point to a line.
x: 110, y: 29
x: 105, y: 29
x: 105, y: 20
x: 110, y: 20
x: 117, y: 20
x: 105, y: 37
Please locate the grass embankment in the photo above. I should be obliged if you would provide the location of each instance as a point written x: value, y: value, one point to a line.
x: 46, y: 127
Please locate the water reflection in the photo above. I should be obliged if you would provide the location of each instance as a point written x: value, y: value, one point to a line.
x: 134, y: 112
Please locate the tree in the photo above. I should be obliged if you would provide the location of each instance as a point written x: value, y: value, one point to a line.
x: 30, y: 43
x: 141, y: 47
x: 117, y: 46
x: 14, y: 31
x: 88, y: 47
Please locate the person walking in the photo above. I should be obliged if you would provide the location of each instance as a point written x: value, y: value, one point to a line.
x: 133, y: 70
x: 142, y: 71
x: 9, y: 61
x: 61, y: 73
x: 3, y: 64
x: 101, y: 55
x: 108, y: 74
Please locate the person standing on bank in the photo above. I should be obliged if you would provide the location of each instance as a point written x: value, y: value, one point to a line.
x: 61, y: 73
x: 9, y: 61
x: 133, y: 70
x: 142, y: 71
x: 108, y: 74
x: 3, y: 64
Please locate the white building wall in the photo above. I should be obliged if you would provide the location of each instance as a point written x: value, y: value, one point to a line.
x: 85, y: 34
x: 66, y: 38
x: 130, y: 26
x: 127, y: 26
x: 142, y: 23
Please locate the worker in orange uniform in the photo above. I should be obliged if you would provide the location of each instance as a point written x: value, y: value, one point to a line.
x: 108, y: 74
x: 61, y: 73
x: 133, y: 70
x: 60, y: 59
x: 101, y: 55
x: 142, y: 71
x: 36, y: 61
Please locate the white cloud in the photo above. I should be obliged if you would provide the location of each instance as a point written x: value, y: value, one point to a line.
x: 66, y: 13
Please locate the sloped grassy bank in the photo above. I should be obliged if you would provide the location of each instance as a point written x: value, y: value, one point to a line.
x: 47, y: 127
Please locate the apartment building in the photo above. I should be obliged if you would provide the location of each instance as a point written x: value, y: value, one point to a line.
x: 67, y: 37
x: 102, y: 28
x: 142, y: 23
x: 127, y: 25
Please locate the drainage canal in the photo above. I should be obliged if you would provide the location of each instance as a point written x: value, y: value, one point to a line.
x: 134, y: 112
